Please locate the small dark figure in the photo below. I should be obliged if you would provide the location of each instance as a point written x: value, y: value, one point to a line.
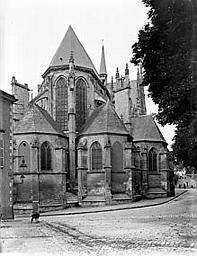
x: 35, y: 216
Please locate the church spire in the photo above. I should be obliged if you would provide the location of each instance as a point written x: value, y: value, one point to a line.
x: 126, y: 70
x: 103, y: 69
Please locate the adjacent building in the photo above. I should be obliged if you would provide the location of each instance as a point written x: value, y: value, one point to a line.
x: 6, y: 155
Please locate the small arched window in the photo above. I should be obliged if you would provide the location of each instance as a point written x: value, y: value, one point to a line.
x: 152, y: 160
x: 81, y: 103
x: 24, y: 155
x: 96, y: 156
x: 61, y: 111
x: 46, y: 159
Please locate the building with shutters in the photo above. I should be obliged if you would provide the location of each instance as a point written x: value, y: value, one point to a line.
x: 85, y: 139
x: 6, y: 155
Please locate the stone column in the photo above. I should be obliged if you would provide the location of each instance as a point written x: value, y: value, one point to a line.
x: 128, y: 167
x: 137, y: 160
x: 107, y: 168
x: 60, y: 152
x: 82, y: 170
x: 164, y: 169
x: 137, y: 180
x: 72, y: 122
x: 35, y: 167
x: 144, y: 167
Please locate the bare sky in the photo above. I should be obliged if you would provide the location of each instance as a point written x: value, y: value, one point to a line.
x: 31, y: 31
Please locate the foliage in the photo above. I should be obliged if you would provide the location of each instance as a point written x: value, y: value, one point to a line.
x: 167, y: 52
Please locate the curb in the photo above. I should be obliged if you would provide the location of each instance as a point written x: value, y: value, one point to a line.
x: 113, y: 209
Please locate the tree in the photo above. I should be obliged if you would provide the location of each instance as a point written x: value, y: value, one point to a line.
x: 167, y: 49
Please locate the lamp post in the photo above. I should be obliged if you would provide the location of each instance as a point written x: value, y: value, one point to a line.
x: 17, y: 181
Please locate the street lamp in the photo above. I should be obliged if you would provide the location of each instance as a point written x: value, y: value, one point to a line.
x: 22, y: 165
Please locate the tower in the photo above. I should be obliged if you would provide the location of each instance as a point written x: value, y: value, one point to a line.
x: 103, y: 69
x: 140, y: 90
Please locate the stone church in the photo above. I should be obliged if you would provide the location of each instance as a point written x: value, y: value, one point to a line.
x: 86, y: 140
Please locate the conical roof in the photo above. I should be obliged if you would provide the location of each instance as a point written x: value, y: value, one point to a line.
x: 104, y: 119
x: 37, y: 120
x: 146, y: 129
x: 71, y: 43
x: 103, y: 69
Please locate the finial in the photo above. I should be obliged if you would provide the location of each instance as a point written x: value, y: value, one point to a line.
x: 126, y: 70
x: 71, y: 65
x: 117, y: 73
x: 14, y: 80
x: 71, y: 60
x: 31, y: 94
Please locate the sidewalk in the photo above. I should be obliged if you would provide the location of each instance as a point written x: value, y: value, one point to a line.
x: 107, y: 208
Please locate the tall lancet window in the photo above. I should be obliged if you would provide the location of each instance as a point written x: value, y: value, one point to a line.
x: 152, y: 160
x: 81, y: 103
x: 96, y: 156
x: 61, y: 111
x: 46, y: 159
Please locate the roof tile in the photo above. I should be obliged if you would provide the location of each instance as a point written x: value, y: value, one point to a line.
x: 71, y: 43
x: 36, y: 119
x: 104, y: 119
x: 146, y: 129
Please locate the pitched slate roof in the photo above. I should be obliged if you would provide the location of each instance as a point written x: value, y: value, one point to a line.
x: 37, y: 120
x: 103, y: 69
x: 104, y: 119
x: 146, y: 129
x: 71, y: 43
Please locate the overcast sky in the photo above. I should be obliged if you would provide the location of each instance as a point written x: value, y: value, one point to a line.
x: 31, y: 31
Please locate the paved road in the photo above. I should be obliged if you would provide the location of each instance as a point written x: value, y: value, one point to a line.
x: 166, y: 229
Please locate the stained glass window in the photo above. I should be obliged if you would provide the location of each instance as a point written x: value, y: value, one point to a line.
x: 152, y: 160
x: 96, y: 156
x: 61, y: 94
x: 46, y: 156
x: 81, y: 103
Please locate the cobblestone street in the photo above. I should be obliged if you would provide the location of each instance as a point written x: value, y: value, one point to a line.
x: 165, y: 229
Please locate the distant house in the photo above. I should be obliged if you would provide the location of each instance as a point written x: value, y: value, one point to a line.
x: 6, y: 151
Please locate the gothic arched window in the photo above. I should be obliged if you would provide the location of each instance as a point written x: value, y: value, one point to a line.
x: 152, y: 160
x: 96, y: 156
x: 46, y: 159
x: 81, y: 103
x: 61, y: 110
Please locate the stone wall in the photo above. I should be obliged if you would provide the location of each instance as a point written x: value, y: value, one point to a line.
x: 46, y: 186
x: 6, y: 199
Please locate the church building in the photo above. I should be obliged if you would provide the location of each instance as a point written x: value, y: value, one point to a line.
x: 86, y: 140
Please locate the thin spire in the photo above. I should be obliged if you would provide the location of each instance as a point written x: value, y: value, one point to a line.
x: 126, y: 70
x: 117, y: 73
x: 103, y: 69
